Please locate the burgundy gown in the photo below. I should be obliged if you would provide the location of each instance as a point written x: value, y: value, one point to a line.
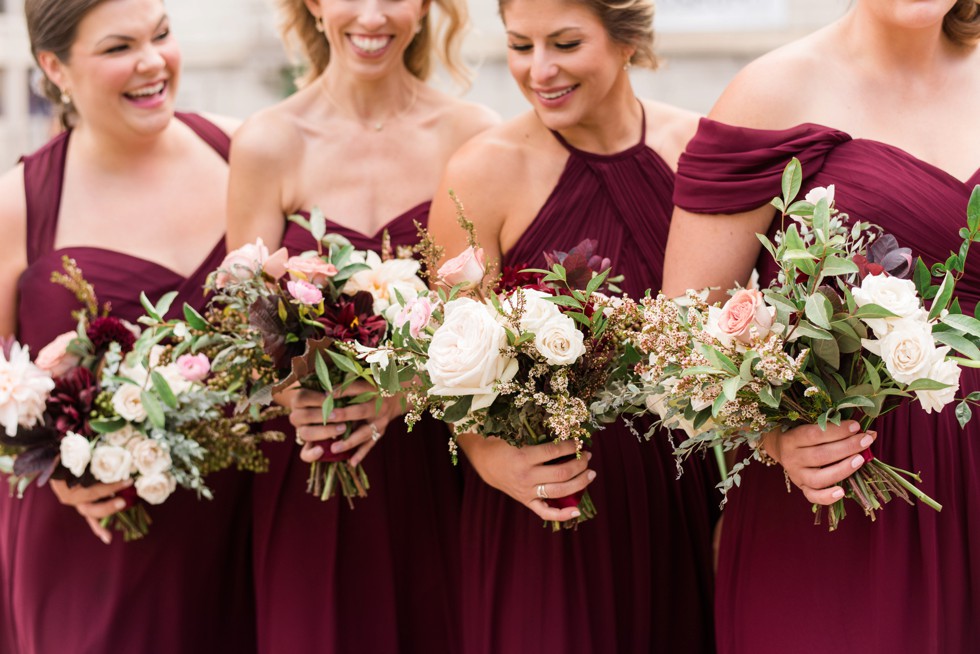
x: 637, y: 577
x: 383, y: 576
x: 909, y: 582
x: 186, y: 587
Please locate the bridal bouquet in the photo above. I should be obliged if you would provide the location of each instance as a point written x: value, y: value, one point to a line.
x: 276, y: 321
x: 96, y: 407
x: 520, y: 359
x: 842, y: 332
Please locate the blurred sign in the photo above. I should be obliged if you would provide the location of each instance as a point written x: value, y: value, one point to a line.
x: 720, y: 15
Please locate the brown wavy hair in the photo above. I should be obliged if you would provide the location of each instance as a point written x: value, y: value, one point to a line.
x: 628, y: 22
x: 442, y: 39
x: 962, y: 23
x: 52, y: 26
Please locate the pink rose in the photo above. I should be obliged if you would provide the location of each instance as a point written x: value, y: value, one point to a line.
x: 304, y: 292
x: 468, y: 268
x: 275, y: 265
x: 54, y: 357
x: 242, y: 264
x: 193, y: 367
x: 744, y: 317
x: 417, y: 313
x: 311, y: 269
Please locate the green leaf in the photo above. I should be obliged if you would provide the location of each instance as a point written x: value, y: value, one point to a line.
x: 344, y: 363
x: 154, y: 411
x: 943, y: 296
x: 322, y: 373
x: 564, y: 301
x: 873, y: 376
x: 973, y: 210
x: 818, y: 310
x: 596, y: 282
x: 800, y: 208
x: 106, y: 426
x: 792, y: 180
x: 921, y: 277
x: 149, y: 308
x: 962, y: 323
x: 926, y: 385
x: 963, y: 410
x: 458, y: 410
x: 834, y: 266
x: 718, y: 359
x: 810, y: 331
x: 776, y: 300
x: 767, y: 398
x: 194, y: 319
x: 162, y: 387
x: 326, y: 408
x: 163, y: 306
x: 299, y: 220
x: 963, y: 345
x: 854, y: 402
x: 731, y: 387
x: 873, y: 312
x: 745, y: 372
x: 827, y: 350
x: 318, y: 224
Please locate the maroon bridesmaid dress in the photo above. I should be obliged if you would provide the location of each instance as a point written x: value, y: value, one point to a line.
x: 909, y: 582
x: 186, y: 587
x: 637, y: 577
x: 383, y: 576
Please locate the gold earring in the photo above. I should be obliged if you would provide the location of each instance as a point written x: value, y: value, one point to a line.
x: 627, y: 65
x: 318, y: 21
x: 418, y: 28
x: 65, y: 97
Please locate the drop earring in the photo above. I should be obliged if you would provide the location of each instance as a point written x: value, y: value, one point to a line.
x: 65, y: 97
x: 318, y: 21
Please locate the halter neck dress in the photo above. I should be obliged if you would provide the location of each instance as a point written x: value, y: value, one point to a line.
x: 637, y: 577
x: 186, y: 587
x: 910, y: 581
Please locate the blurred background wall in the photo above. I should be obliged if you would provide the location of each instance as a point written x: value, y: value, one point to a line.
x: 234, y: 63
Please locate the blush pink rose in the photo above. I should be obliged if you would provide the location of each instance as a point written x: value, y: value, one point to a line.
x: 416, y: 313
x: 304, y: 292
x: 275, y: 265
x: 193, y: 367
x: 744, y: 317
x: 311, y: 269
x: 467, y: 268
x: 241, y: 264
x: 54, y: 357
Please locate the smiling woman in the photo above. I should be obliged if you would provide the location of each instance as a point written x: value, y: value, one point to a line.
x: 137, y: 199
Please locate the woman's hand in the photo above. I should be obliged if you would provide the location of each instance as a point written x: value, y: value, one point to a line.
x: 93, y: 503
x: 522, y: 473
x: 307, y: 417
x: 817, y: 460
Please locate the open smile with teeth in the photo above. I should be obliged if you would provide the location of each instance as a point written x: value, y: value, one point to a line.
x: 554, y: 95
x: 147, y: 91
x: 370, y: 44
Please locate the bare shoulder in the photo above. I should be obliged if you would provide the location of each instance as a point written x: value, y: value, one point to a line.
x: 465, y: 119
x: 270, y: 137
x: 226, y: 124
x: 498, y: 156
x: 13, y: 217
x: 776, y: 91
x: 669, y: 128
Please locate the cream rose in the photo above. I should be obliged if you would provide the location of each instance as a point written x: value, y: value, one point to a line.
x: 155, y: 488
x: 24, y: 390
x: 386, y: 280
x: 128, y: 404
x: 464, y: 355
x: 944, y: 372
x: 892, y: 293
x: 55, y: 358
x: 819, y: 193
x: 743, y: 318
x: 111, y: 464
x: 120, y: 437
x: 538, y: 311
x: 908, y: 349
x: 76, y: 452
x: 468, y: 268
x: 151, y: 457
x: 559, y: 341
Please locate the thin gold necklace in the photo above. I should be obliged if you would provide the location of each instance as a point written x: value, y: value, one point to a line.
x: 377, y: 125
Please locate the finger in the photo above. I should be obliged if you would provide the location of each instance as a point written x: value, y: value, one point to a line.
x: 99, y: 510
x: 830, y: 453
x: 550, y: 513
x: 315, y: 433
x: 311, y: 453
x: 77, y: 495
x: 354, y: 412
x: 823, y: 496
x: 559, y: 473
x: 355, y: 388
x: 813, y: 435
x: 567, y: 488
x: 550, y: 451
x: 367, y: 433
x: 100, y: 532
x: 362, y: 452
x: 304, y: 398
x: 820, y: 478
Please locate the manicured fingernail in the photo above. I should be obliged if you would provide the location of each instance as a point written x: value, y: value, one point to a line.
x: 588, y: 456
x: 332, y: 416
x: 337, y: 448
x: 867, y: 440
x: 119, y: 505
x: 340, y: 429
x: 316, y: 451
x: 838, y: 494
x: 576, y: 513
x: 857, y: 461
x: 127, y: 482
x: 854, y: 427
x: 105, y: 538
x: 591, y: 475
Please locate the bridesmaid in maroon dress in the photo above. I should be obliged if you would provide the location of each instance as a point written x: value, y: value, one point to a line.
x: 881, y: 104
x: 365, y: 140
x: 137, y: 199
x: 589, y: 161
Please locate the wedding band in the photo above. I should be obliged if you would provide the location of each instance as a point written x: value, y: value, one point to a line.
x: 540, y: 492
x: 375, y: 434
x: 300, y: 441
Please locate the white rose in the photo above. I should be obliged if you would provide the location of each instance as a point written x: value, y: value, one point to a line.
x: 151, y: 457
x: 120, y: 437
x: 658, y: 405
x: 897, y: 295
x: 464, y: 355
x: 386, y: 280
x: 537, y: 310
x: 819, y: 193
x: 178, y: 383
x: 155, y: 488
x: 76, y: 452
x: 111, y: 464
x: 128, y: 404
x: 908, y: 350
x: 945, y: 372
x: 559, y: 341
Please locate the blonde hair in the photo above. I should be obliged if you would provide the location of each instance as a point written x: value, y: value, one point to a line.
x: 962, y: 23
x: 52, y: 26
x: 442, y: 40
x: 628, y: 22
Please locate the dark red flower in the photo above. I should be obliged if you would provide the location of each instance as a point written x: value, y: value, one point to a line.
x: 71, y: 401
x: 865, y: 267
x: 353, y: 319
x: 513, y: 277
x: 580, y: 263
x: 103, y: 331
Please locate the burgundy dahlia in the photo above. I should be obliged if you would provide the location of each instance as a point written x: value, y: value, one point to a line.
x: 353, y: 319
x: 71, y: 401
x: 580, y: 263
x: 103, y: 331
x: 513, y: 277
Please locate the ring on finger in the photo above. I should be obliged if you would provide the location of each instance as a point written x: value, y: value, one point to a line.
x: 300, y: 441
x: 375, y: 434
x: 541, y: 492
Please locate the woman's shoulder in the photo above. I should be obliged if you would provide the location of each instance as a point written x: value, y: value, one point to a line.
x: 13, y: 207
x: 271, y: 136
x: 463, y: 118
x: 503, y: 152
x: 669, y: 128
